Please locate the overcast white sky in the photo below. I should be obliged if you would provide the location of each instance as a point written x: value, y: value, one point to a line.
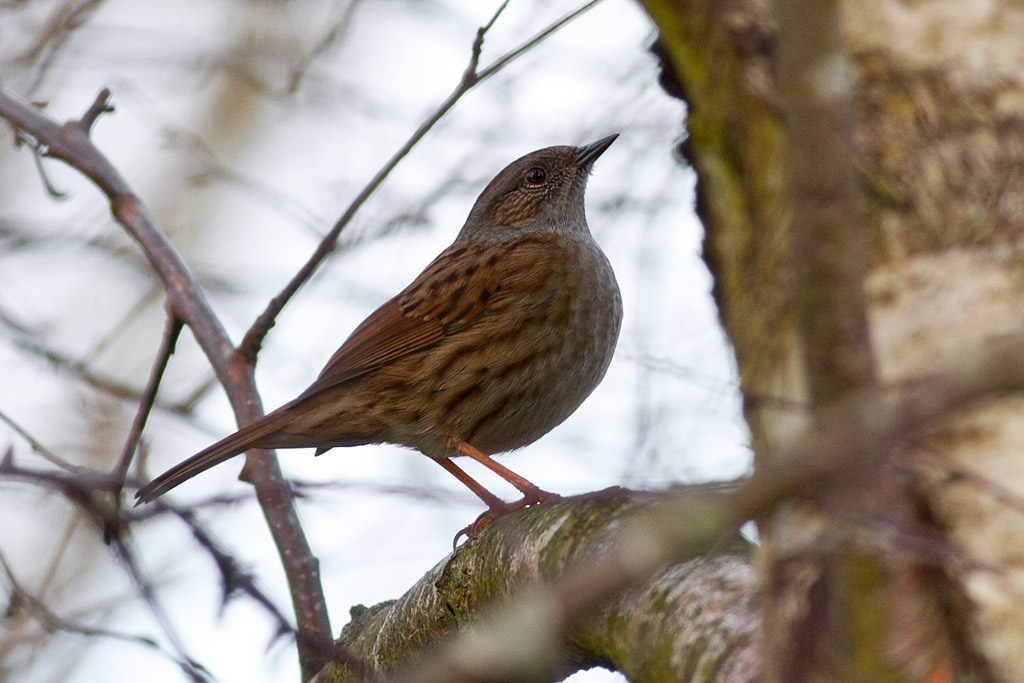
x: 245, y: 184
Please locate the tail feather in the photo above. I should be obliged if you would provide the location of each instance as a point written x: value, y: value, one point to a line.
x: 250, y: 436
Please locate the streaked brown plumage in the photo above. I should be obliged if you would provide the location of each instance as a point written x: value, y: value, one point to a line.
x: 496, y: 342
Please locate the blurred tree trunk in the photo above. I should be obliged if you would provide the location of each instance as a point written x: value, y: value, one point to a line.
x: 912, y: 570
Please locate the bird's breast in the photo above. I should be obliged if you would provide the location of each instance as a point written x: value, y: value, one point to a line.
x: 540, y: 347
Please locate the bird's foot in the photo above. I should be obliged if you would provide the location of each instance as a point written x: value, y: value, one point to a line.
x: 485, y: 518
x: 533, y: 497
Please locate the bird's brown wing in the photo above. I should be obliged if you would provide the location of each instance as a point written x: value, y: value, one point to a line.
x: 449, y: 295
x: 388, y: 334
x: 452, y: 293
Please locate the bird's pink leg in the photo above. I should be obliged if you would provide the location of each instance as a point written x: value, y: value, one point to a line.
x: 493, y: 502
x: 495, y: 506
x: 531, y: 493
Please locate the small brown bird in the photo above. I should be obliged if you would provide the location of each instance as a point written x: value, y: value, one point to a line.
x: 496, y: 342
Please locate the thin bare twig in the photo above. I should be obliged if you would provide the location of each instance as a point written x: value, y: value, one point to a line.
x: 38, y: 447
x: 64, y: 20
x: 235, y: 580
x: 193, y: 669
x: 210, y: 166
x: 503, y: 61
x: 80, y: 369
x: 116, y: 330
x: 20, y: 598
x: 51, y: 189
x: 336, y: 32
x: 172, y: 331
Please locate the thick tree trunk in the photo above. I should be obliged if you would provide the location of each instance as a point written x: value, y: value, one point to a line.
x: 909, y: 570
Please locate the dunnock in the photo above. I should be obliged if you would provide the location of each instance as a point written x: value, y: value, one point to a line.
x: 496, y: 342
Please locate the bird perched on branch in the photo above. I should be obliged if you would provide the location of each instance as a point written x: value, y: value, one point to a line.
x: 495, y: 343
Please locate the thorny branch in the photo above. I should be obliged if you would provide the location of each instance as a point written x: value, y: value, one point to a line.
x: 90, y: 495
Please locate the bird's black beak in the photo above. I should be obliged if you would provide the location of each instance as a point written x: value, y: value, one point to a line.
x: 586, y: 154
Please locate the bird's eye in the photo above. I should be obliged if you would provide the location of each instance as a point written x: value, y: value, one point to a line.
x: 536, y: 175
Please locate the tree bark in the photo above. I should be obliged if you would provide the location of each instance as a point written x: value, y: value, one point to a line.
x: 910, y: 570
x: 694, y: 621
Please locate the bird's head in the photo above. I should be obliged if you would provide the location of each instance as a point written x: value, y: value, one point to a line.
x: 542, y: 190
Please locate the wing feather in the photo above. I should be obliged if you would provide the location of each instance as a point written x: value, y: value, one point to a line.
x: 451, y: 293
x: 387, y: 335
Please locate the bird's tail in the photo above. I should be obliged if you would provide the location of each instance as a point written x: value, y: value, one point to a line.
x: 251, y: 436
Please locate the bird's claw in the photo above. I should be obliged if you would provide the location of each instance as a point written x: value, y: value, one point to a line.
x: 485, y: 518
x: 530, y: 499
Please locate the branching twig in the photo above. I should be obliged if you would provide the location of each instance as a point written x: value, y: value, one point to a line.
x: 70, y: 143
x: 87, y: 493
x: 55, y: 34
